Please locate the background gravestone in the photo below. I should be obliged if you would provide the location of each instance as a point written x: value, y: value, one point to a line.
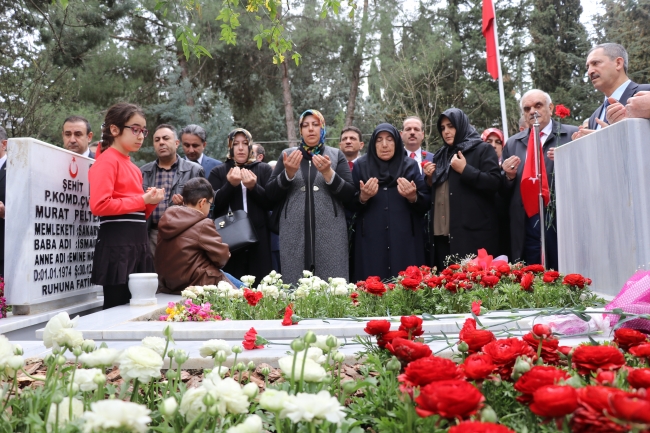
x: 50, y: 232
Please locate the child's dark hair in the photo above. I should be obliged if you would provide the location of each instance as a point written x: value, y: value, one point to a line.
x: 118, y: 115
x: 195, y: 189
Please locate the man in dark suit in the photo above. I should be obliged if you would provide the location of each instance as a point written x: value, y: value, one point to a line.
x: 3, y: 193
x: 193, y: 139
x: 413, y: 135
x: 77, y: 136
x: 607, y: 70
x: 524, y: 231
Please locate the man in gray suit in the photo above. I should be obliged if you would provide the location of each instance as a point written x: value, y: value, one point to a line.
x: 193, y: 138
x: 524, y: 231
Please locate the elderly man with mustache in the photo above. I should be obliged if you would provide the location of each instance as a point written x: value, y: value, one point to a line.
x: 607, y: 69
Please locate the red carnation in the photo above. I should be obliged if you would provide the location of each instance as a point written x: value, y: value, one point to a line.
x: 533, y: 268
x: 434, y: 281
x: 252, y: 297
x: 411, y: 283
x: 549, y: 346
x: 640, y: 350
x: 575, y: 280
x: 407, y: 350
x: 423, y: 371
x: 476, y: 307
x: 288, y: 313
x: 449, y: 399
x: 475, y: 338
x: 639, y: 378
x: 373, y: 285
x: 504, y: 268
x: 538, y: 376
x: 554, y: 401
x: 550, y: 276
x: 504, y: 353
x: 479, y: 427
x: 423, y: 163
x: 478, y: 366
x: 606, y: 377
x: 489, y: 280
x: 627, y: 338
x: 527, y: 281
x: 591, y: 358
x: 630, y: 407
x: 591, y: 416
x: 561, y: 111
x: 388, y: 337
x: 411, y: 325
x: 454, y: 267
x: 253, y: 341
x: 377, y: 327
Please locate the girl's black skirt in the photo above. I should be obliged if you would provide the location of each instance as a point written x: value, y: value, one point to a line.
x: 122, y: 248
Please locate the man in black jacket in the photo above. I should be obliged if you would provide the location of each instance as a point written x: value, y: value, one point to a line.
x: 607, y: 70
x: 168, y: 171
x: 524, y: 231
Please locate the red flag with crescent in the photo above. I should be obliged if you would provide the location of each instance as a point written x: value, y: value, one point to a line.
x: 529, y: 186
x: 490, y: 40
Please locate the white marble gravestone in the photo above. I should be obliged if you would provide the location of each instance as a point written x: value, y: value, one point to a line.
x: 50, y: 232
x: 603, y: 204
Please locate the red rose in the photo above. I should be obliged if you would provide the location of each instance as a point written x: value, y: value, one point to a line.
x: 504, y: 353
x: 451, y: 286
x: 425, y: 269
x: 288, y: 312
x: 504, y: 269
x: 554, y: 401
x: 375, y: 286
x: 475, y: 338
x: 252, y: 340
x: 411, y: 325
x: 527, y: 281
x: 407, y: 350
x: 476, y: 308
x: 479, y: 427
x: 411, y: 283
x: 639, y: 378
x: 640, y: 350
x: 449, y: 399
x: 388, y: 337
x: 478, y: 366
x: 413, y: 272
x: 606, y: 377
x: 533, y: 268
x: 630, y: 407
x: 489, y: 280
x: 434, y: 281
x: 424, y: 153
x: 549, y: 347
x: 423, y: 371
x: 423, y: 163
x: 575, y: 280
x: 542, y: 331
x: 626, y: 338
x: 561, y: 111
x: 590, y: 358
x: 538, y: 376
x: 590, y: 417
x: 252, y: 297
x: 377, y: 327
x: 459, y: 276
x: 550, y: 276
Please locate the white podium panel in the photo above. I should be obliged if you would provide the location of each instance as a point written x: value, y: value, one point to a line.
x: 603, y: 204
x: 50, y: 232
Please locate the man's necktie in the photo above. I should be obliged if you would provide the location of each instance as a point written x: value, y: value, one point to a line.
x: 351, y: 164
x: 412, y: 155
x: 605, y: 105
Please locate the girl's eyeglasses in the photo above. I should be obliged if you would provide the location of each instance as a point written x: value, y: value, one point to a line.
x: 137, y: 130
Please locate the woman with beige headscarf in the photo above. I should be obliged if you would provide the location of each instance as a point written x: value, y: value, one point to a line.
x: 239, y: 184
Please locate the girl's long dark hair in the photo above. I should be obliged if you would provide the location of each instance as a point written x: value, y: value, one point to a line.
x: 118, y: 115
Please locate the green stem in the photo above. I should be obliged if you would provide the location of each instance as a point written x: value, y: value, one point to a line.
x: 136, y: 383
x: 11, y: 390
x: 293, y: 369
x: 302, y: 370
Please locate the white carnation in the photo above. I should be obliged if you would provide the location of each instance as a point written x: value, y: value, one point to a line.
x: 188, y: 294
x: 307, y: 274
x: 210, y: 288
x: 192, y: 403
x: 252, y: 424
x: 6, y: 350
x: 70, y: 338
x: 313, y: 371
x: 310, y: 407
x: 248, y: 280
x: 64, y: 413
x: 56, y: 333
x: 211, y: 347
x: 85, y: 378
x: 156, y: 344
x: 102, y: 357
x: 230, y: 397
x: 116, y: 414
x: 273, y: 400
x: 138, y: 362
x: 223, y: 286
x: 340, y: 290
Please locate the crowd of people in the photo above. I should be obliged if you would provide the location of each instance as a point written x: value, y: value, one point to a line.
x: 330, y: 210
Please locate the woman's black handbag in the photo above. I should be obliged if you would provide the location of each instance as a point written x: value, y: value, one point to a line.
x: 236, y: 230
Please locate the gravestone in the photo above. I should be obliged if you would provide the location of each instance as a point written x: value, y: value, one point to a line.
x: 603, y: 204
x: 50, y: 233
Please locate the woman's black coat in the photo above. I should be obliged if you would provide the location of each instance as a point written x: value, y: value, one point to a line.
x: 473, y: 221
x: 388, y: 229
x: 255, y: 260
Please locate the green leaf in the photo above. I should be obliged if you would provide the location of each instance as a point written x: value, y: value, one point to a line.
x: 64, y: 3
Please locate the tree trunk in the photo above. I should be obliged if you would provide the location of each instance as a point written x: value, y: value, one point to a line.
x: 288, y: 104
x: 356, y: 68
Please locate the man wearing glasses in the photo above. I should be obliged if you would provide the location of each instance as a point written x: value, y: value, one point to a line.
x: 168, y: 171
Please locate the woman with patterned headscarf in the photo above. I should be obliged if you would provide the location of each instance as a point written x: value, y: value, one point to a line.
x: 312, y: 181
x: 239, y: 184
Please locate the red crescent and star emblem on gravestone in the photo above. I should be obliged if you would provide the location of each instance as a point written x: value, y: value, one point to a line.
x: 73, y: 166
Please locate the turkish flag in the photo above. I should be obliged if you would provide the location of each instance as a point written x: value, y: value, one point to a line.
x: 490, y: 40
x: 529, y: 187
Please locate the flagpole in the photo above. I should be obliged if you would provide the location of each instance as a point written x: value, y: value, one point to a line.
x: 502, y: 98
x: 537, y: 128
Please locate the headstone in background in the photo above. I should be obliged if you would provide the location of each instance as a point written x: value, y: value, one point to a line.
x: 50, y: 232
x: 603, y: 204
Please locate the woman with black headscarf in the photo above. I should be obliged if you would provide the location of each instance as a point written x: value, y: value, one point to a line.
x: 239, y: 184
x: 465, y: 177
x: 392, y: 198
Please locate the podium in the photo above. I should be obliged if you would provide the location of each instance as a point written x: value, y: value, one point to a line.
x: 602, y: 186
